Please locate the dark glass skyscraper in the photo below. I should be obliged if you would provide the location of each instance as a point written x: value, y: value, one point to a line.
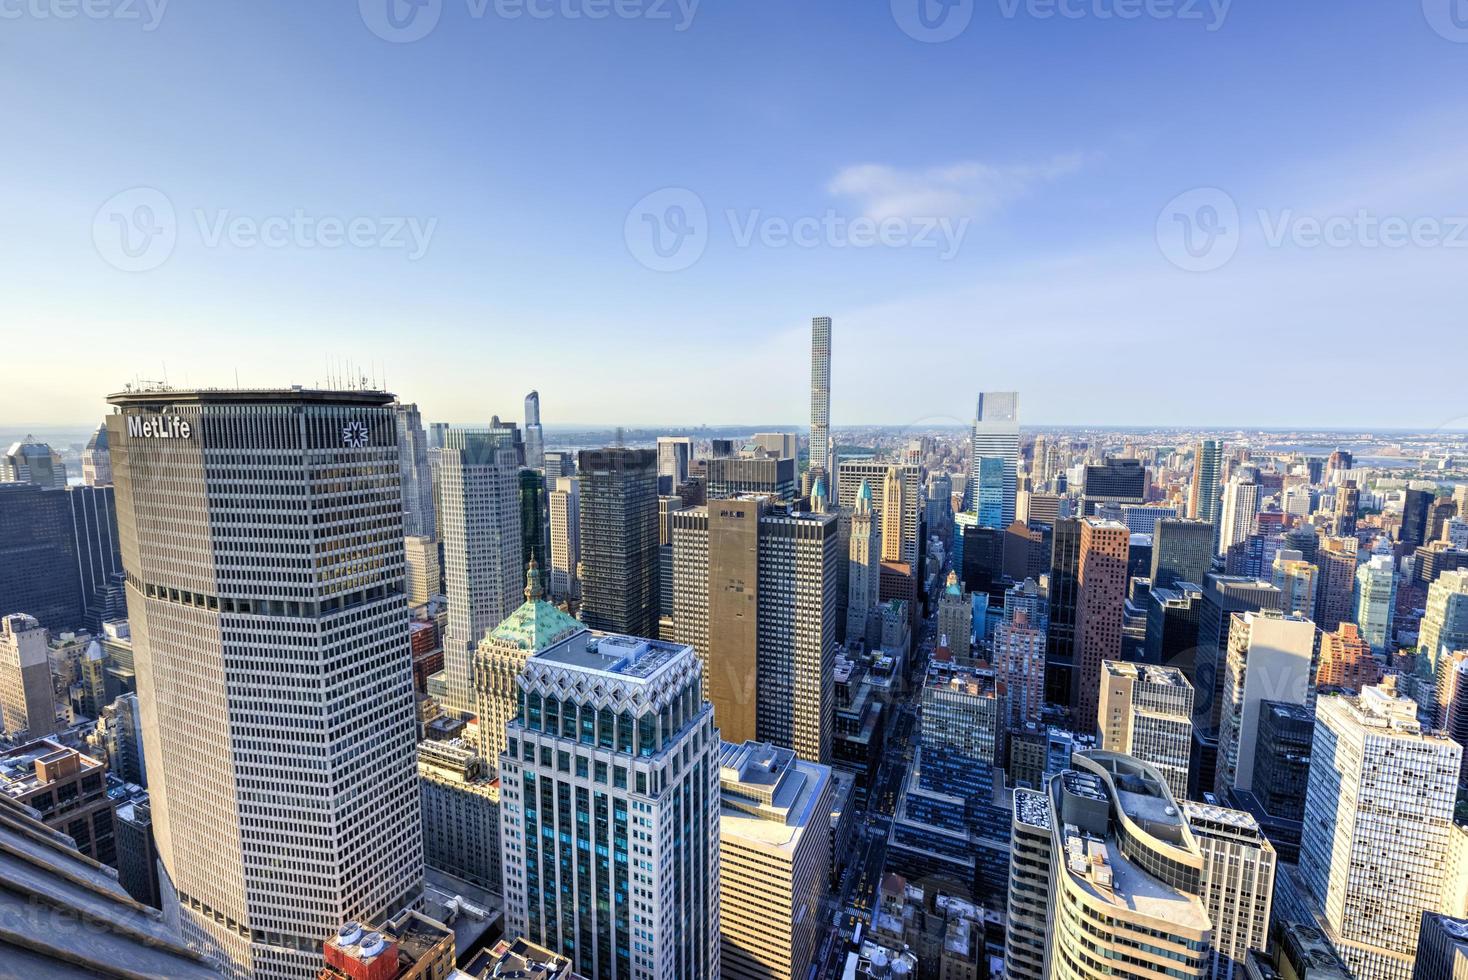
x: 98, y: 555
x: 619, y: 540
x: 38, y: 556
x: 1182, y: 551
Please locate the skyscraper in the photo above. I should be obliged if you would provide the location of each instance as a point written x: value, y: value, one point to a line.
x: 996, y: 435
x: 418, y: 517
x: 1236, y: 516
x: 822, y: 451
x: 96, y: 462
x: 754, y: 593
x: 98, y: 554
x: 1378, y: 818
x: 534, y: 435
x: 892, y: 513
x: 29, y: 461
x: 865, y: 566
x: 1146, y: 712
x: 877, y: 473
x: 1271, y: 657
x: 674, y: 455
x: 1376, y: 601
x: 609, y: 795
x: 483, y: 566
x: 500, y: 657
x: 1204, y: 496
x: 1101, y: 594
x: 1445, y: 623
x: 619, y: 540
x: 1416, y: 508
x: 565, y: 536
x: 263, y: 541
x: 38, y: 556
x: 1335, y: 589
x: 1237, y: 883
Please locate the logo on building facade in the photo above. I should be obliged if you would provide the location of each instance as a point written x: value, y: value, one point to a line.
x: 355, y: 434
x: 159, y: 427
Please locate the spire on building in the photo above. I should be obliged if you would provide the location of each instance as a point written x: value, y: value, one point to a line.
x: 534, y: 591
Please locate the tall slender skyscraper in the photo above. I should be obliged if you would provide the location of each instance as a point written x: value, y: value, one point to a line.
x: 565, y: 536
x: 619, y: 540
x: 262, y: 536
x: 483, y: 562
x: 820, y: 399
x: 534, y: 436
x: 1101, y: 594
x: 996, y: 435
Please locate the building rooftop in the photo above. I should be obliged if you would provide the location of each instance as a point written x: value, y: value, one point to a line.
x: 610, y: 653
x: 1151, y: 673
x: 22, y: 769
x: 1032, y: 808
x: 44, y: 879
x: 162, y: 394
x: 768, y: 793
x: 516, y: 958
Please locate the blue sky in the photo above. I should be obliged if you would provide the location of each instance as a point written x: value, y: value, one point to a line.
x: 500, y: 178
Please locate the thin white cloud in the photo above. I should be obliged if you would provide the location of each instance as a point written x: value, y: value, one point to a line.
x: 967, y: 189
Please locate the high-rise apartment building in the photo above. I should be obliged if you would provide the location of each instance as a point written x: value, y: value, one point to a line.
x: 418, y: 516
x: 1378, y: 819
x: 1236, y: 516
x: 1206, y: 492
x: 1018, y: 651
x: 609, y: 801
x: 1376, y: 601
x: 1346, y: 659
x: 774, y: 856
x: 1335, y: 589
x: 1147, y: 712
x: 565, y: 536
x: 822, y: 449
x: 996, y: 436
x: 27, y: 702
x: 484, y: 575
x: 1295, y: 579
x: 754, y: 592
x: 262, y: 534
x: 1271, y: 657
x: 534, y: 434
x: 619, y: 540
x: 1101, y: 594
